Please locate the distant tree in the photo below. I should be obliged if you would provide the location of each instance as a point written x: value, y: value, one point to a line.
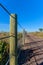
x: 41, y: 29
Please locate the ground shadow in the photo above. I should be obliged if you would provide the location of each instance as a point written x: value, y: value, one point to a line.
x: 41, y: 63
x: 25, y: 56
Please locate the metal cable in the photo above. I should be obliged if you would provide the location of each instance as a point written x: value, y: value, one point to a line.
x: 7, y: 62
x: 20, y: 26
x: 11, y: 35
x: 7, y: 37
x: 6, y: 10
x: 10, y: 15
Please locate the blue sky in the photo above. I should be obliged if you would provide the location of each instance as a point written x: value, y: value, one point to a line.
x: 29, y: 12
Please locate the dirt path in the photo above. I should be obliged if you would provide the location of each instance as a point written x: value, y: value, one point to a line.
x: 32, y: 51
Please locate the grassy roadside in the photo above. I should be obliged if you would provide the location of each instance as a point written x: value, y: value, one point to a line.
x: 38, y: 34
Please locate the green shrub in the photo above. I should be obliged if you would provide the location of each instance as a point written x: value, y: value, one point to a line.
x: 2, y: 49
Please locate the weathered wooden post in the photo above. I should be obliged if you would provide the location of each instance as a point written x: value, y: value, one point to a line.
x: 23, y: 36
x: 13, y: 39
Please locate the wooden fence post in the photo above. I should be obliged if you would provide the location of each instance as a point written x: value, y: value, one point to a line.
x: 13, y: 39
x: 23, y: 37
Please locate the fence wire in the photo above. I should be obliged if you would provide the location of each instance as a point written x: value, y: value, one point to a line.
x: 34, y: 54
x: 11, y: 35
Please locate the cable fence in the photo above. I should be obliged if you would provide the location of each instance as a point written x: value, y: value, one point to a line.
x: 11, y: 35
x: 13, y: 41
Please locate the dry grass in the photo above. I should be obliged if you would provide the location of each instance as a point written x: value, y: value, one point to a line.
x: 38, y: 34
x: 4, y: 34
